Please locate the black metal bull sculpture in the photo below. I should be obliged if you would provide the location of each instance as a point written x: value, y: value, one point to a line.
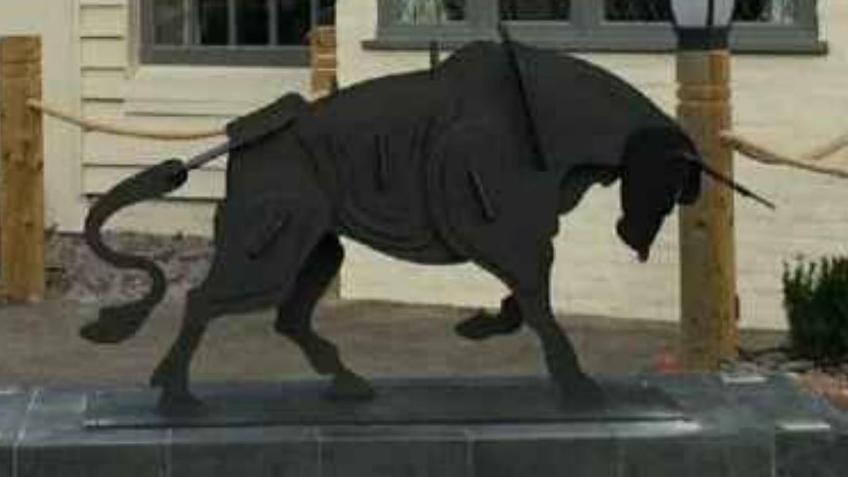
x: 474, y: 161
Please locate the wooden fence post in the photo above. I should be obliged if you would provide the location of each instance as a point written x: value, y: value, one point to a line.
x: 323, y: 59
x: 709, y: 308
x: 21, y: 171
x: 322, y: 52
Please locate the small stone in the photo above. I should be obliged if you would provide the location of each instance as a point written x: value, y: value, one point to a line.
x: 797, y: 366
x: 741, y: 367
x: 772, y: 360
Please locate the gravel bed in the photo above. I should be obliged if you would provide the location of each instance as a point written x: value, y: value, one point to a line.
x: 75, y: 273
x: 829, y: 381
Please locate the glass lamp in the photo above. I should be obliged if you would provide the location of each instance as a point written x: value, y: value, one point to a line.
x: 703, y: 24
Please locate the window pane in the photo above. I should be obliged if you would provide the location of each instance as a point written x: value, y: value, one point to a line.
x: 212, y: 22
x: 326, y: 12
x: 293, y: 22
x: 538, y: 10
x: 428, y: 12
x: 638, y: 10
x: 764, y: 11
x: 168, y: 22
x: 253, y: 18
x: 768, y: 11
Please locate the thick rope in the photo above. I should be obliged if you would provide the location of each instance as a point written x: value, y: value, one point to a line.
x: 739, y: 143
x: 88, y: 125
x: 766, y: 156
x: 828, y: 149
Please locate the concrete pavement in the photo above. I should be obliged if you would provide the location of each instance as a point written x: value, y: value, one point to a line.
x: 39, y: 344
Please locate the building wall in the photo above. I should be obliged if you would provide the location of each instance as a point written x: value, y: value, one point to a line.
x: 55, y: 23
x: 116, y: 89
x: 792, y: 103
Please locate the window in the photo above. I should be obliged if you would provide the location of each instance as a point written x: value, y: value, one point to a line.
x: 760, y: 11
x: 231, y: 32
x: 772, y: 26
x: 517, y: 10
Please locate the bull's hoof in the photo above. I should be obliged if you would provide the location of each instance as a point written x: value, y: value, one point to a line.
x: 350, y: 387
x: 115, y: 325
x: 179, y: 404
x: 167, y: 376
x: 581, y: 393
x: 106, y: 332
x: 483, y: 325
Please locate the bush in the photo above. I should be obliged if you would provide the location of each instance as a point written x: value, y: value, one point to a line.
x: 815, y: 296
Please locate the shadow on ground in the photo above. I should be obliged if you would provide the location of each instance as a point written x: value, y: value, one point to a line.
x: 40, y: 344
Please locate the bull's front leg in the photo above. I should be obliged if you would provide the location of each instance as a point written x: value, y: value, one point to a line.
x: 484, y: 325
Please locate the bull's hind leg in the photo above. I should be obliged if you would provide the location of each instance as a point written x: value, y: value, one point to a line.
x: 172, y: 373
x: 483, y: 325
x: 294, y: 320
x: 242, y: 278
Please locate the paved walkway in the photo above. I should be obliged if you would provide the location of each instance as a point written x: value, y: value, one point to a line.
x: 39, y: 344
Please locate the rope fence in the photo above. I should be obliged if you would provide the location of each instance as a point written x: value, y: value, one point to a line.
x: 829, y: 149
x: 810, y: 162
x: 764, y: 155
x: 89, y: 125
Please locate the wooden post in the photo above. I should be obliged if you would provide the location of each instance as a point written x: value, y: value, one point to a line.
x: 324, y: 80
x: 323, y: 55
x: 21, y: 166
x: 709, y: 306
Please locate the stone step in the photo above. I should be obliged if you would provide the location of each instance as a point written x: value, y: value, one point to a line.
x: 708, y: 426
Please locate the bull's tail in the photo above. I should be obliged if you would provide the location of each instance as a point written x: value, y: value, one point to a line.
x: 120, y: 322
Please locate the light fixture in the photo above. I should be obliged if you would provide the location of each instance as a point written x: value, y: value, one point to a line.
x: 703, y: 24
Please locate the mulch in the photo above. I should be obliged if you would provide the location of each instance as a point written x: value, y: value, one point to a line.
x: 833, y: 387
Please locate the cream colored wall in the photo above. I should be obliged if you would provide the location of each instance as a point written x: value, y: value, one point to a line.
x: 117, y: 89
x: 55, y: 23
x: 792, y: 103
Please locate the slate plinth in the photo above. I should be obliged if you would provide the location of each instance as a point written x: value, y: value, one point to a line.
x: 449, y: 401
x: 709, y: 426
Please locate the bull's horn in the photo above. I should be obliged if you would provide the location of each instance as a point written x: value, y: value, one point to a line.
x: 728, y: 182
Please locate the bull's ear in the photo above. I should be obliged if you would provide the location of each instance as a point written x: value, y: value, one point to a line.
x: 691, y: 185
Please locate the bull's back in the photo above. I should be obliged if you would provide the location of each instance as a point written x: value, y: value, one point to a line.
x: 374, y: 141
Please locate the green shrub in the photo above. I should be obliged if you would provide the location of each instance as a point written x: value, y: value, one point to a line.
x: 815, y: 296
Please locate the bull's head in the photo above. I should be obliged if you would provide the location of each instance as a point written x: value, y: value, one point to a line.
x: 660, y: 168
x: 654, y: 177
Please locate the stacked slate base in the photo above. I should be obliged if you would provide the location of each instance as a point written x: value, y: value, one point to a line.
x: 693, y: 425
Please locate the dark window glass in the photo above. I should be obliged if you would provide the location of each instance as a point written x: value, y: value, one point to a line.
x: 638, y: 10
x: 293, y: 22
x: 535, y: 10
x: 252, y: 21
x: 256, y: 22
x: 768, y: 11
x: 765, y: 11
x: 429, y: 12
x: 232, y: 32
x: 213, y: 25
x: 169, y: 22
x: 326, y: 12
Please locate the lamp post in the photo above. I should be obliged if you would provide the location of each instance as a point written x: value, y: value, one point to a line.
x: 709, y: 305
